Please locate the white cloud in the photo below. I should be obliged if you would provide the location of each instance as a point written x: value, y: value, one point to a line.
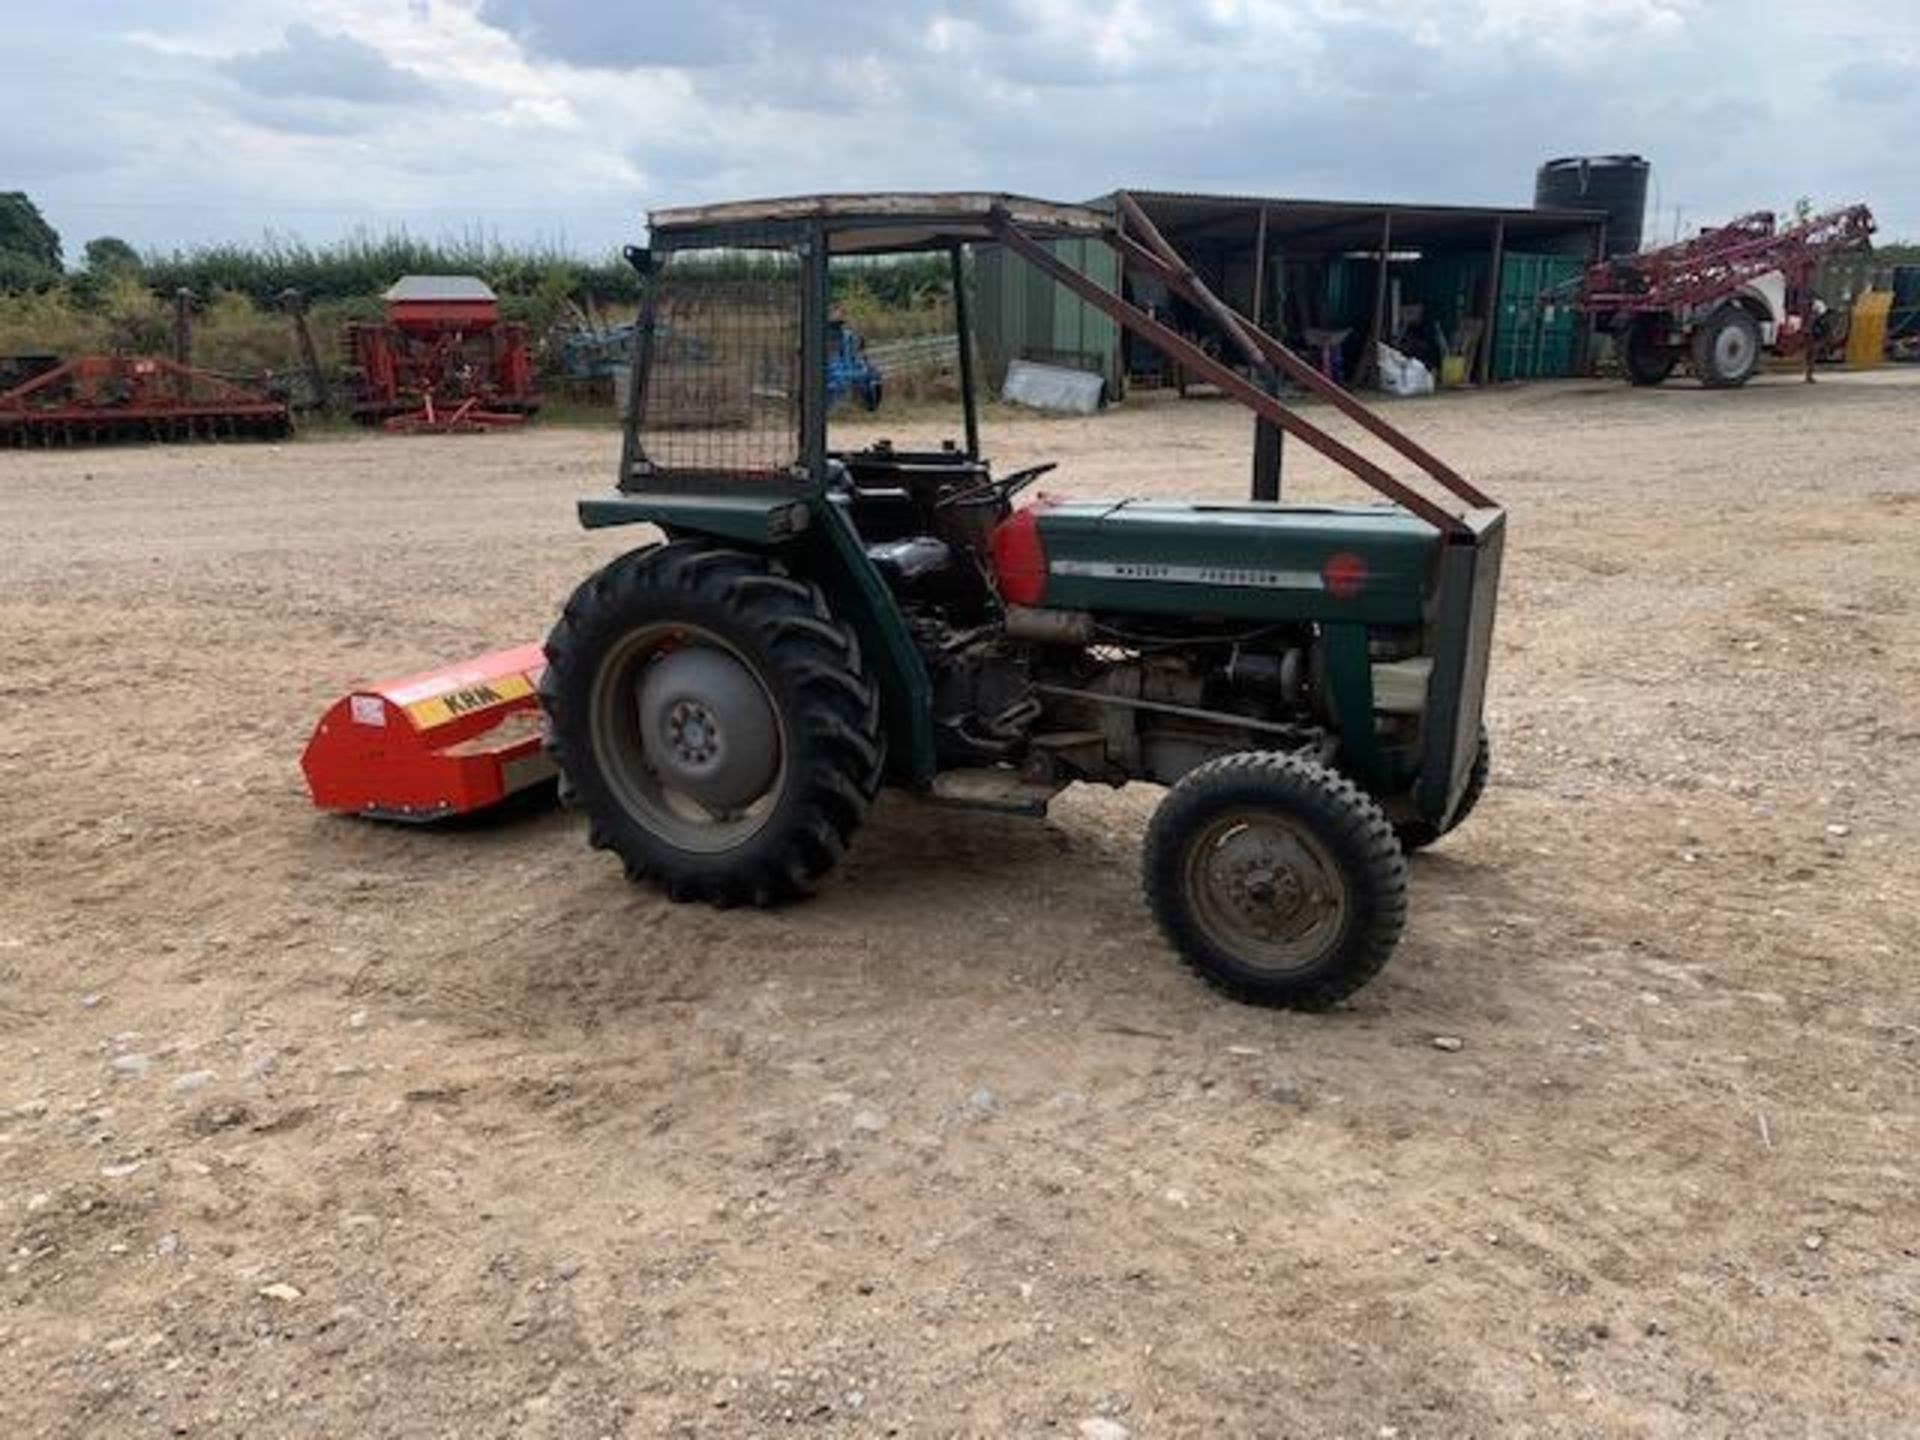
x: 541, y: 117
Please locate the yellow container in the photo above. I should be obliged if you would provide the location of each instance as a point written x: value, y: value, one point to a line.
x: 1453, y: 369
x: 1867, y: 330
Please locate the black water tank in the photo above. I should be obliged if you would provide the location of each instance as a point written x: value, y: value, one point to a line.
x: 1616, y: 184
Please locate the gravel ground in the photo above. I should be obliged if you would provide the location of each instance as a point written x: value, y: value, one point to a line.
x: 312, y: 1126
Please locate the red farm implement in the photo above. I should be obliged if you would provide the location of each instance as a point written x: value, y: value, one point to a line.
x: 442, y: 360
x: 1722, y: 299
x: 101, y: 398
x: 444, y: 742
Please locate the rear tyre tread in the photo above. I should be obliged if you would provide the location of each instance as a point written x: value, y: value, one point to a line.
x: 836, y: 757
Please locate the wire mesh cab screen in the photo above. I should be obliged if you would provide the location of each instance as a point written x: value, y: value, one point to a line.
x: 718, y: 386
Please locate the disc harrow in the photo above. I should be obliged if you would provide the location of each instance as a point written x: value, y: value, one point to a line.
x: 122, y: 399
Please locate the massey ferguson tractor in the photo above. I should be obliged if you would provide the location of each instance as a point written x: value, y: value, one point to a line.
x: 725, y: 702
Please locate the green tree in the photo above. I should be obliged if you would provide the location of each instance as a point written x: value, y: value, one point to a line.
x: 106, y: 254
x: 24, y: 231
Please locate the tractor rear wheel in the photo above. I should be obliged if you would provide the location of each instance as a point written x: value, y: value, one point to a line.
x: 1418, y: 834
x: 714, y: 722
x: 1277, y: 879
x: 1726, y: 348
x: 1644, y: 354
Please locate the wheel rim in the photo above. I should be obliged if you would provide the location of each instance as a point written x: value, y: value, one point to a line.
x: 1266, y: 891
x: 1733, y: 350
x: 688, y: 736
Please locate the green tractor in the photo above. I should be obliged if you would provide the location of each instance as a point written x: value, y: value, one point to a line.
x: 724, y: 706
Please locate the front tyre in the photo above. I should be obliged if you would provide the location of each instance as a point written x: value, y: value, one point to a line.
x: 713, y: 721
x: 1277, y: 879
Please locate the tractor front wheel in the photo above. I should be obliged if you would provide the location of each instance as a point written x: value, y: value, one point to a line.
x: 1277, y: 879
x: 713, y: 721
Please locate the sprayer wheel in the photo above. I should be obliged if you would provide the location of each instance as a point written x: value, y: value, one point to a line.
x: 1644, y: 354
x: 1726, y: 348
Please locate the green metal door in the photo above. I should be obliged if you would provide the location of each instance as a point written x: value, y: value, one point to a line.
x: 1536, y: 332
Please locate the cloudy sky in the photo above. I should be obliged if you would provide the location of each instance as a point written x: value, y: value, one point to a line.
x: 563, y: 120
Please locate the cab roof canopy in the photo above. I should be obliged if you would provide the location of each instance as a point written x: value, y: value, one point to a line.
x: 869, y: 224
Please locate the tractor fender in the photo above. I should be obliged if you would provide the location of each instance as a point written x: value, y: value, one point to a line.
x: 762, y: 521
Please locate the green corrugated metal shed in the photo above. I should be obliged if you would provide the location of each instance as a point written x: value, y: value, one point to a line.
x: 1326, y: 245
x: 1021, y: 314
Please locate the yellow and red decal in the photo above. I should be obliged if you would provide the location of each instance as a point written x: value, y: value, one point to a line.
x: 455, y: 692
x: 438, y: 710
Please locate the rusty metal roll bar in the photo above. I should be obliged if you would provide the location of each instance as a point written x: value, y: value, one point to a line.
x: 1157, y: 257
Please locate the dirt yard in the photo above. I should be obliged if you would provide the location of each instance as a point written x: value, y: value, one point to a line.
x: 311, y: 1126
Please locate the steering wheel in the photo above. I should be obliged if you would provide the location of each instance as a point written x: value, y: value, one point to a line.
x: 1003, y: 489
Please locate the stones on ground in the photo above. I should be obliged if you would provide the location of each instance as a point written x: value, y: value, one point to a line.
x: 280, y: 1290
x: 1839, y: 832
x: 1449, y: 1043
x: 221, y: 1117
x: 869, y: 1121
x: 1282, y: 1093
x: 92, y: 1001
x: 262, y: 1061
x: 1099, y: 1427
x: 120, y: 1169
x: 133, y: 1064
x: 1814, y: 1241
x: 357, y: 1020
x: 192, y: 1081
x: 983, y: 1101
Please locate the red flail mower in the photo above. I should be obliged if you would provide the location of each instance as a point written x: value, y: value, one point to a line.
x: 94, y: 399
x: 440, y: 743
x: 442, y: 360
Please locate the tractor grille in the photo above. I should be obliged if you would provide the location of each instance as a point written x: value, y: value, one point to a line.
x: 717, y: 379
